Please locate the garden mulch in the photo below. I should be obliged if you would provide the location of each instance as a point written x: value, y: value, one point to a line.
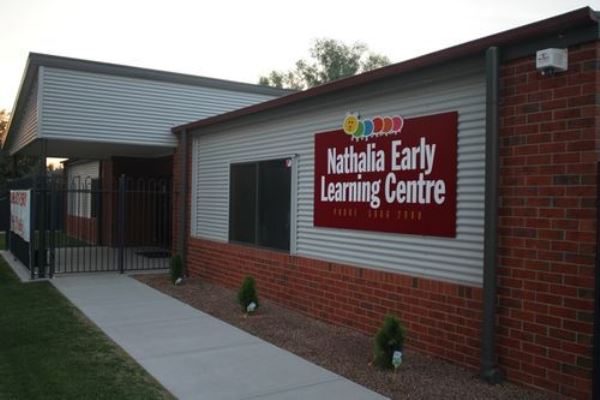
x: 341, y: 350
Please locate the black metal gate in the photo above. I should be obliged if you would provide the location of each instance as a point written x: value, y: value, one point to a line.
x: 90, y: 225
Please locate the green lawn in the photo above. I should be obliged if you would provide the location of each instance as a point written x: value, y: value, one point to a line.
x: 49, y: 350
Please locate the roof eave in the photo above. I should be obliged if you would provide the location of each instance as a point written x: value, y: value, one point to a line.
x: 24, y: 87
x: 548, y: 26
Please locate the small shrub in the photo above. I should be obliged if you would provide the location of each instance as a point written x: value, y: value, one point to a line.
x: 388, y: 339
x: 247, y: 293
x: 176, y: 268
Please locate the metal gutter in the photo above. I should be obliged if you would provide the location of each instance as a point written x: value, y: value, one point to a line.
x: 556, y: 26
x: 489, y: 370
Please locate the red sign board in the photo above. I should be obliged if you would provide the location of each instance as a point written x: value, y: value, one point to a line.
x: 388, y: 174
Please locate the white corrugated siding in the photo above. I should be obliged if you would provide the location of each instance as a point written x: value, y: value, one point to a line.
x: 107, y: 108
x: 452, y: 88
x: 80, y: 177
x: 27, y: 128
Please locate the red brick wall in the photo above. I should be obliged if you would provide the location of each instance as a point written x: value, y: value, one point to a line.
x: 443, y: 319
x: 142, y: 210
x: 82, y: 228
x: 131, y: 167
x: 549, y: 142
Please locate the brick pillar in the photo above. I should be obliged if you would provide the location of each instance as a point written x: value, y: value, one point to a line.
x: 177, y: 174
x: 549, y: 141
x: 107, y: 217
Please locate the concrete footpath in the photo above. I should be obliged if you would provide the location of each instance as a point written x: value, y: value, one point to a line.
x: 194, y: 355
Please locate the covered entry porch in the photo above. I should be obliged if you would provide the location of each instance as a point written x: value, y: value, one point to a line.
x: 112, y: 123
x: 79, y: 224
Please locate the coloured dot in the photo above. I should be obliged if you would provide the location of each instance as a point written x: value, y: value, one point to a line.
x: 350, y: 124
x: 387, y: 125
x: 377, y: 124
x: 360, y: 131
x: 368, y: 127
x: 397, y: 123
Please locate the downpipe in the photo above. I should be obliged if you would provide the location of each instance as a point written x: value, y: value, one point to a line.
x: 489, y: 369
x: 596, y: 357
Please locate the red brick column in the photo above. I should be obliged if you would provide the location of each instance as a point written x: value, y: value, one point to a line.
x: 549, y: 141
x: 176, y: 188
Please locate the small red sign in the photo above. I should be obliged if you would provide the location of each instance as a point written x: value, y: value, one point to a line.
x: 401, y: 179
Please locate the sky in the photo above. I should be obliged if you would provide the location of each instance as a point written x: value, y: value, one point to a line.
x: 241, y: 40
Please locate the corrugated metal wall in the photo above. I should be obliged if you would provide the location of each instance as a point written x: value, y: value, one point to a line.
x: 451, y: 88
x: 80, y: 177
x: 95, y: 107
x: 28, y: 125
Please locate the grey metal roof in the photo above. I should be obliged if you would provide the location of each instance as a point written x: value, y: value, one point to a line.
x: 35, y: 60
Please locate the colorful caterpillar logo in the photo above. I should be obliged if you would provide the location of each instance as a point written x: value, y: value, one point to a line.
x: 364, y: 129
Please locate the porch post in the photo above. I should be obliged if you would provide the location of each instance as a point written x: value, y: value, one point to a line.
x: 32, y: 227
x: 182, y: 206
x: 121, y: 224
x: 43, y: 177
x: 14, y: 166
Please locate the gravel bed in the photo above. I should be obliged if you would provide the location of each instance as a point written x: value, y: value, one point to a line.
x: 341, y: 350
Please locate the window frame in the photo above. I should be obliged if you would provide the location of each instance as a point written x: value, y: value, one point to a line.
x: 293, y: 200
x: 79, y: 202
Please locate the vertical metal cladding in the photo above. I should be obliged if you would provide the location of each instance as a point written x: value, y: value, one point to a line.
x: 108, y: 108
x: 27, y: 130
x: 80, y: 177
x: 84, y: 170
x: 457, y: 87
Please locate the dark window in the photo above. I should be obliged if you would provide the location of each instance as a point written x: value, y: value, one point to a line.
x: 259, y: 203
x: 242, y: 203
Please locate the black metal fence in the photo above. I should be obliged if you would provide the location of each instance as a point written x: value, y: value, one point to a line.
x: 85, y: 224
